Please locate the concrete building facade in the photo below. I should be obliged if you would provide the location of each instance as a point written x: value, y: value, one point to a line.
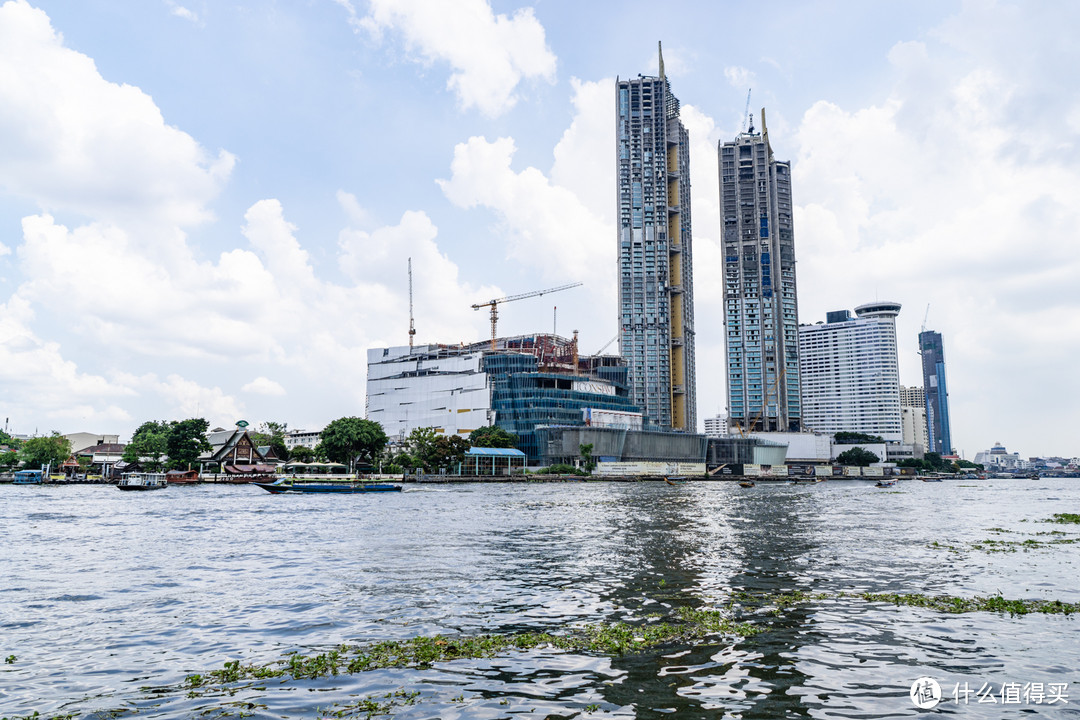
x: 525, y: 383
x: 850, y: 372
x: 716, y: 427
x: 761, y: 314
x: 939, y: 433
x: 655, y: 251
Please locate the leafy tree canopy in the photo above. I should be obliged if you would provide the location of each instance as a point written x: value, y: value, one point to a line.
x: 857, y: 456
x: 302, y: 453
x: 185, y: 441
x: 148, y: 444
x: 273, y: 434
x: 427, y: 449
x: 492, y: 437
x: 348, y: 439
x: 853, y: 438
x: 11, y: 442
x: 588, y: 462
x: 54, y: 449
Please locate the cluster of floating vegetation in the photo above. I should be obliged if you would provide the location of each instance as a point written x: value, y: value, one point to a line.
x: 615, y: 638
x: 995, y: 545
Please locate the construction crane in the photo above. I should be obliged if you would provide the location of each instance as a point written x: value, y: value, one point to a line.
x: 412, y: 328
x: 494, y: 304
x: 925, y: 318
x: 746, y: 112
x: 606, y: 346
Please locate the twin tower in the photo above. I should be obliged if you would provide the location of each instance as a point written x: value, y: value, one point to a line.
x: 656, y: 269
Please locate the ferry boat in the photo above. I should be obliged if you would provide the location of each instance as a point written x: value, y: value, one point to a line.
x: 28, y: 477
x: 303, y: 486
x: 142, y: 481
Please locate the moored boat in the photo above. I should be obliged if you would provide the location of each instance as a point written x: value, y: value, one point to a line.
x: 302, y: 486
x: 28, y: 477
x: 142, y: 481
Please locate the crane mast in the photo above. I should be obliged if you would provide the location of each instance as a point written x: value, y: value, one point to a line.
x: 412, y: 328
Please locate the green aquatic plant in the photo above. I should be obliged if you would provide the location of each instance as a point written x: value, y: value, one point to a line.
x: 1072, y: 518
x: 608, y: 638
x: 993, y: 603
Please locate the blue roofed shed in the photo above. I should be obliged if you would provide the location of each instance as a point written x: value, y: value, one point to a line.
x: 493, y: 461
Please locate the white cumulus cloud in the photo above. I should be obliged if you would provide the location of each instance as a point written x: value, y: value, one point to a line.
x: 78, y: 142
x: 490, y: 54
x: 264, y: 386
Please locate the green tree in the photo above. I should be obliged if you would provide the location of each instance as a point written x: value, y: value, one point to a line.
x: 9, y: 458
x: 449, y: 451
x: 9, y: 441
x: 492, y: 437
x: 349, y: 439
x: 588, y: 462
x: 53, y: 449
x: 148, y: 444
x: 857, y: 456
x: 852, y: 438
x: 421, y: 446
x: 936, y: 463
x: 185, y: 441
x: 273, y: 434
x: 302, y: 453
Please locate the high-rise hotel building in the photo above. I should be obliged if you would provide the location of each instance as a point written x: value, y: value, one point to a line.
x: 761, y: 313
x: 850, y: 373
x: 656, y: 280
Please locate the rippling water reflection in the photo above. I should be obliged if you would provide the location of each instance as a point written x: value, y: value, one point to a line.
x: 104, y: 594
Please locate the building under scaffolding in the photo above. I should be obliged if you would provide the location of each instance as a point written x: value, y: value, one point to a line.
x: 525, y: 382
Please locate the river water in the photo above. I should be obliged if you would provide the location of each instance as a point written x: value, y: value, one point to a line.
x: 108, y: 600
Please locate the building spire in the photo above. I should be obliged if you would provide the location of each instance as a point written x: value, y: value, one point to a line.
x: 660, y: 52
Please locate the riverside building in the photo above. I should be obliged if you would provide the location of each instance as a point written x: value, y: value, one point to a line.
x: 913, y: 416
x: 850, y: 372
x: 939, y: 434
x: 761, y: 314
x: 525, y: 382
x: 655, y: 252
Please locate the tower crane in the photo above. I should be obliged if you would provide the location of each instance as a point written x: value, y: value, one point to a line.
x: 925, y: 318
x: 494, y: 304
x: 412, y: 328
x: 606, y: 346
x: 746, y: 112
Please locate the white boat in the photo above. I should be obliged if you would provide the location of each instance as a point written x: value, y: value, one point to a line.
x: 142, y: 481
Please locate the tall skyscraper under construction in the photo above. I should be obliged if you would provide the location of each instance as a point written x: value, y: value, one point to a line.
x: 939, y: 435
x: 656, y: 280
x: 761, y: 313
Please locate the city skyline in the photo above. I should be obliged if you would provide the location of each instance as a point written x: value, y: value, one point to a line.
x: 208, y: 210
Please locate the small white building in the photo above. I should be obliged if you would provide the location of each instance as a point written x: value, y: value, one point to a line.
x: 301, y: 438
x: 716, y: 427
x: 998, y: 458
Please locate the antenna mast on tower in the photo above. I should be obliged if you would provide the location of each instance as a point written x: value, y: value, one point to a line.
x: 412, y: 328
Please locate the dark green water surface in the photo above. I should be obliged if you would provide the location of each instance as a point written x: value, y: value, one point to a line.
x: 109, y: 600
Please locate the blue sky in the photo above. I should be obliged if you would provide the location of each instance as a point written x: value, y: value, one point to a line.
x: 207, y: 208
